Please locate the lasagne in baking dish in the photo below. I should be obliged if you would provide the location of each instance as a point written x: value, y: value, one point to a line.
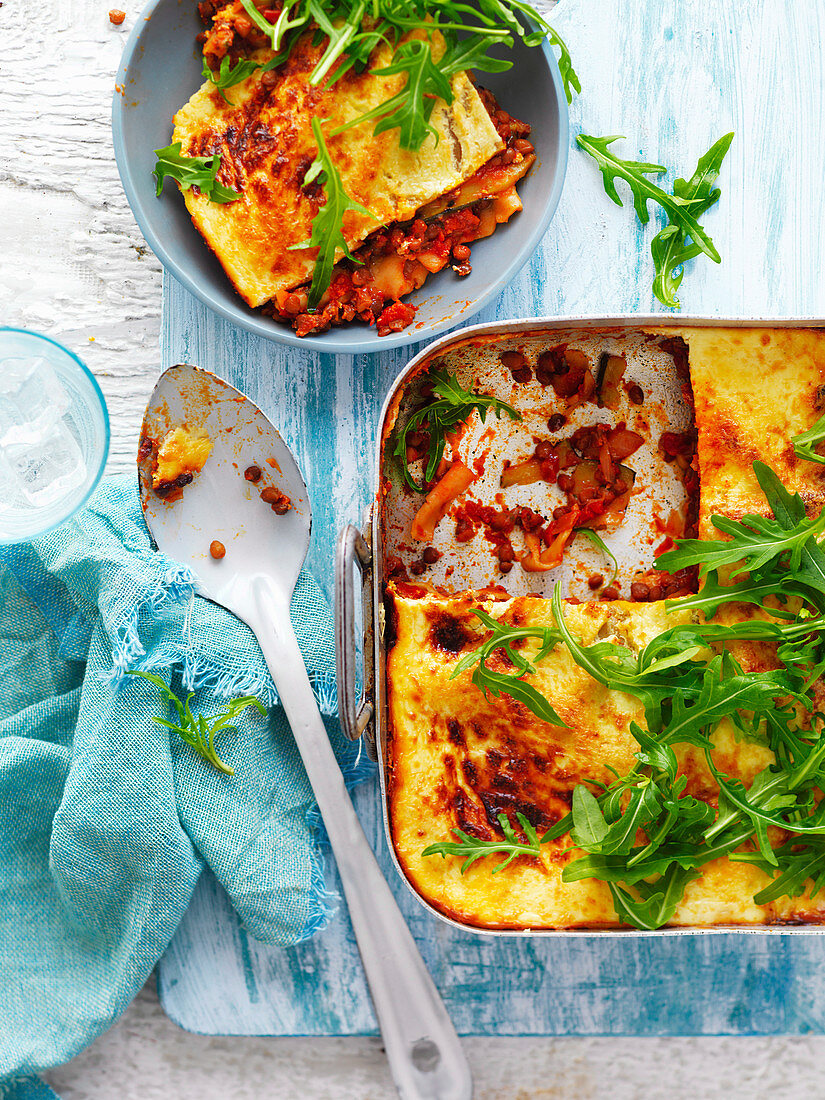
x: 404, y: 208
x: 651, y: 757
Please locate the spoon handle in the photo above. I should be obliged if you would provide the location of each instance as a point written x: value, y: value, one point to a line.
x: 424, y: 1052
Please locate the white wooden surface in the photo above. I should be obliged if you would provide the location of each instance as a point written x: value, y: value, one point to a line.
x: 73, y: 265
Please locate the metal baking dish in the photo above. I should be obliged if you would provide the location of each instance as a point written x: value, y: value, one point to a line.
x: 364, y: 713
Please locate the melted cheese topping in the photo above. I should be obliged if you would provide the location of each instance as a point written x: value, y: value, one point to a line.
x: 458, y: 759
x: 753, y: 390
x: 266, y: 144
x: 179, y: 453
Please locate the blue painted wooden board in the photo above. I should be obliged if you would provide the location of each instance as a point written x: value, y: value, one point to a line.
x: 673, y: 75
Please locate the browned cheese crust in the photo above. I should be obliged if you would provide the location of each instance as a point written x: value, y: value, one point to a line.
x: 266, y: 144
x: 753, y: 390
x: 458, y: 759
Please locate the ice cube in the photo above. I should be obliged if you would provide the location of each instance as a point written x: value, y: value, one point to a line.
x: 32, y: 399
x: 11, y: 499
x: 48, y: 467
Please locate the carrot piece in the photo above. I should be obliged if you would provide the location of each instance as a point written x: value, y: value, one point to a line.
x: 456, y: 481
x: 537, y: 560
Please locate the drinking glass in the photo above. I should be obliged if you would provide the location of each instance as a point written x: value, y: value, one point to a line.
x: 54, y: 434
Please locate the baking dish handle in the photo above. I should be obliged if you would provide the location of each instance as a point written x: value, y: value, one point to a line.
x: 356, y: 713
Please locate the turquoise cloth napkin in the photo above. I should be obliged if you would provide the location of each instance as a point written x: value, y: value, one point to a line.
x: 106, y: 818
x: 26, y: 1088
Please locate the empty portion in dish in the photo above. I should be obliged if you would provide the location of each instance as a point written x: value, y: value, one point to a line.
x: 467, y: 750
x: 600, y: 441
x: 419, y: 209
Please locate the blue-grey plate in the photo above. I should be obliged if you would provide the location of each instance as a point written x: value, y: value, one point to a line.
x: 159, y: 71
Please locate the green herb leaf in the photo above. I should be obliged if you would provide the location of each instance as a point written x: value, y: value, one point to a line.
x: 670, y: 248
x: 753, y: 543
x: 227, y: 77
x: 683, y: 237
x: 328, y: 224
x: 634, y: 172
x: 589, y: 825
x: 572, y: 85
x: 200, y: 172
x: 658, y: 901
x: 472, y: 849
x: 293, y: 19
x: 799, y: 865
x: 714, y: 595
x: 452, y: 405
x: 340, y: 34
x: 199, y: 732
x: 805, y: 443
x: 496, y: 683
x: 426, y: 82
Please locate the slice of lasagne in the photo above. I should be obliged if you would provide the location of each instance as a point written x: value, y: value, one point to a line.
x: 458, y: 759
x: 754, y: 389
x: 425, y: 206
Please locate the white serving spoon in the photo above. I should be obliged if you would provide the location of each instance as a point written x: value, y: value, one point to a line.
x: 255, y: 580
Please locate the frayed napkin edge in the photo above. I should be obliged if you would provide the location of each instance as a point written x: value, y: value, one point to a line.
x: 178, y: 584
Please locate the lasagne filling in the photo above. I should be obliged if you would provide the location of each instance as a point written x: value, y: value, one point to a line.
x: 585, y: 475
x: 398, y: 258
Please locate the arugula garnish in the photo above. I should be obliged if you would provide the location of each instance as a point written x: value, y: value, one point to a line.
x: 670, y: 248
x: 503, y: 638
x: 472, y: 849
x: 754, y: 542
x: 635, y: 173
x: 452, y: 405
x: 328, y: 224
x: 642, y: 833
x: 572, y: 84
x: 426, y: 82
x: 805, y: 443
x: 684, y: 237
x: 197, y: 731
x: 802, y: 864
x: 782, y: 551
x: 229, y: 75
x: 282, y: 26
x: 200, y: 172
x: 353, y: 28
x: 599, y: 543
